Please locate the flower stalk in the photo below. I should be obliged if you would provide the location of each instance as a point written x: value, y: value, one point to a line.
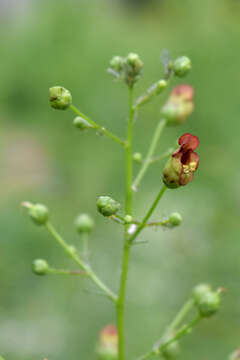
x: 71, y: 252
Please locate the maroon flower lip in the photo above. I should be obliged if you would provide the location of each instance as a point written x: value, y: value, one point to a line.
x: 187, y: 156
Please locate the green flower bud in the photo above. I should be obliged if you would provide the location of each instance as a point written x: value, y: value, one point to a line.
x: 84, y: 223
x: 117, y: 64
x: 134, y: 61
x: 182, y: 66
x: 137, y: 156
x: 133, y: 68
x: 40, y: 267
x: 60, y: 98
x: 175, y: 219
x: 235, y: 355
x: 200, y: 291
x: 38, y: 212
x: 108, y: 343
x: 172, y: 350
x: 1, y: 358
x: 81, y: 123
x: 161, y: 85
x: 107, y: 206
x: 128, y: 219
x: 207, y: 301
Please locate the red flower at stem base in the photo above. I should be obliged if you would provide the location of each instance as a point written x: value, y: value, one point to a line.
x: 180, y: 168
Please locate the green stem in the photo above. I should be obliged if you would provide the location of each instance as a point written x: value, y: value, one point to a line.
x: 85, y: 246
x: 161, y: 125
x: 186, y: 329
x: 180, y: 316
x: 126, y: 250
x: 98, y: 127
x: 66, y: 272
x: 163, y: 156
x: 86, y: 267
x: 148, y: 215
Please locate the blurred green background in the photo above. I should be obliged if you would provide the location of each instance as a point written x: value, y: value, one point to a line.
x: 44, y: 159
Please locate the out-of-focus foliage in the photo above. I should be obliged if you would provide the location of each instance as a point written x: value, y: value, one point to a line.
x: 45, y: 159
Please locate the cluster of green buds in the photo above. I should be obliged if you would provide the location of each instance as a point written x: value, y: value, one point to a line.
x: 128, y: 68
x: 108, y: 343
x: 206, y: 300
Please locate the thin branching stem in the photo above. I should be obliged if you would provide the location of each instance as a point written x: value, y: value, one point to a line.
x: 84, y: 266
x: 98, y: 127
x: 157, y: 133
x: 157, y: 350
x: 148, y: 215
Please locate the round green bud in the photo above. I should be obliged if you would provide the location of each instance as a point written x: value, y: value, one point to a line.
x: 84, y: 223
x: 39, y: 213
x: 161, y: 85
x: 81, y: 123
x: 175, y: 219
x: 182, y: 66
x: 200, y: 291
x: 137, y: 156
x: 1, y: 358
x: 207, y: 301
x: 117, y: 63
x: 171, y: 351
x: 107, y: 206
x: 128, y: 219
x: 134, y: 61
x: 235, y: 355
x: 60, y: 98
x: 40, y: 267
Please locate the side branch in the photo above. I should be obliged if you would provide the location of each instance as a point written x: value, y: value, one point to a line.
x: 70, y: 251
x: 148, y: 215
x: 99, y: 127
x: 160, y: 127
x: 186, y: 329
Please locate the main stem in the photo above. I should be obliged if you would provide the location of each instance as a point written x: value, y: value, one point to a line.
x: 127, y: 245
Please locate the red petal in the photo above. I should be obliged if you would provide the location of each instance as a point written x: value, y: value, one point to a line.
x: 184, y: 180
x: 188, y: 157
x: 188, y: 142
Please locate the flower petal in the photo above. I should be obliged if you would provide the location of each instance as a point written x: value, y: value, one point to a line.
x: 190, y: 157
x: 188, y: 142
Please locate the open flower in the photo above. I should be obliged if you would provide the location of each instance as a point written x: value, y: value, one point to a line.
x: 180, y: 168
x: 179, y: 105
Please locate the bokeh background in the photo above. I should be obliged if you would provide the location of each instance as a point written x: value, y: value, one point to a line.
x: 44, y: 159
